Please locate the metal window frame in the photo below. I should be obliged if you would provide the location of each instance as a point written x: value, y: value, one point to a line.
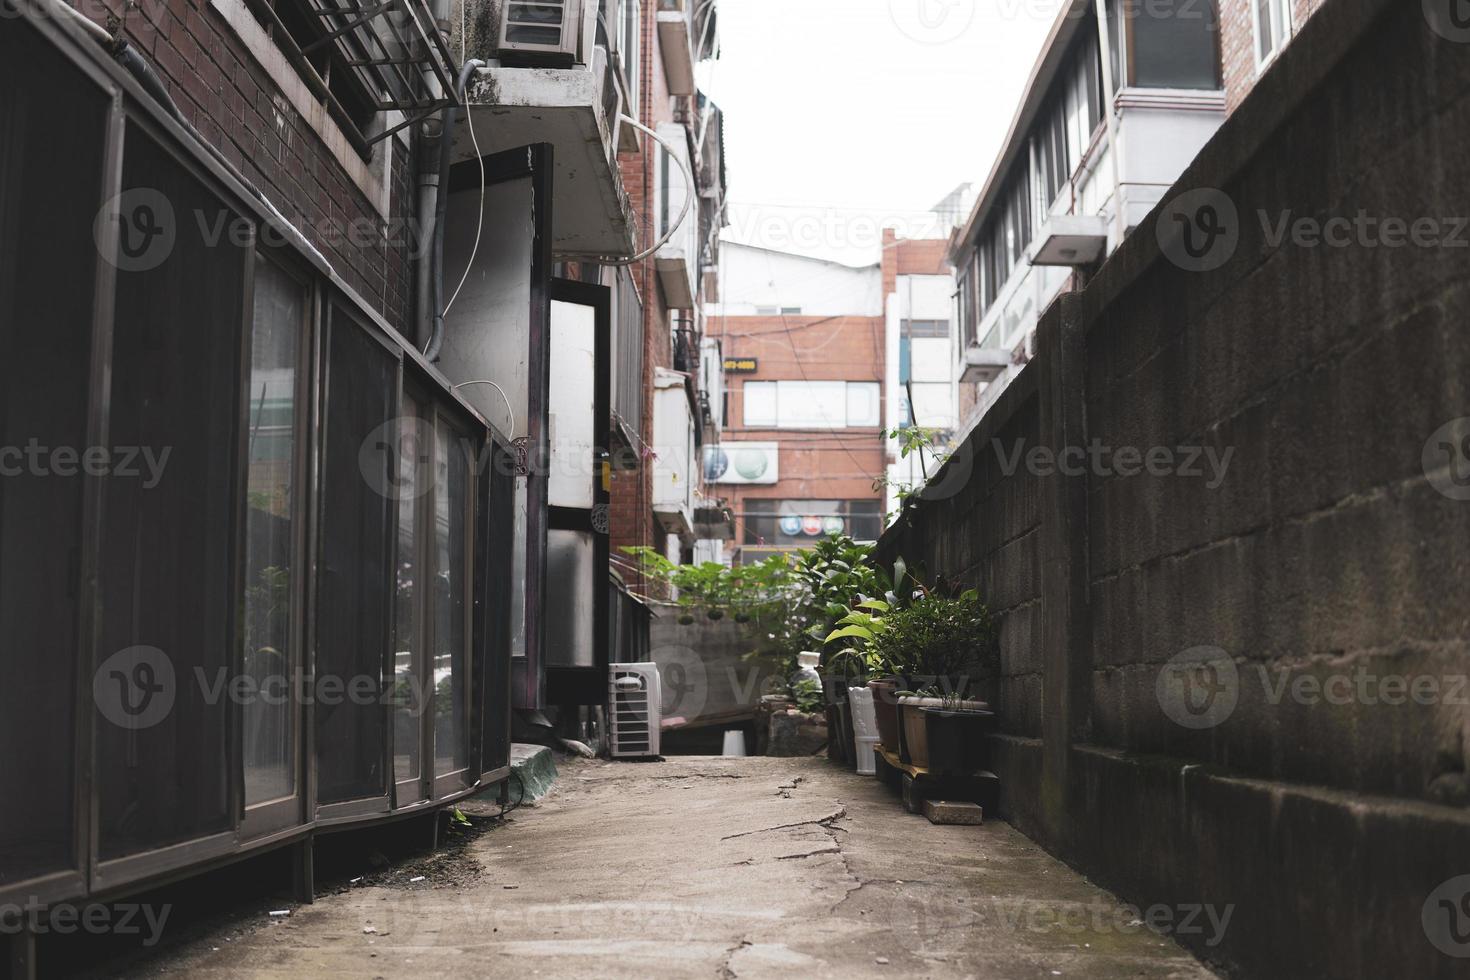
x: 89, y: 876
x: 588, y: 685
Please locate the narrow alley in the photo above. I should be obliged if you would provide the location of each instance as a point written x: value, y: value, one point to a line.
x: 748, y: 867
x: 735, y: 488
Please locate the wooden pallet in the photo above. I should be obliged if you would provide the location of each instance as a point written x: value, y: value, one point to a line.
x: 915, y: 784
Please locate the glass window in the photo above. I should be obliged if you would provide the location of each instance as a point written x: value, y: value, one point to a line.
x: 355, y: 566
x: 170, y: 572
x: 760, y: 404
x: 450, y: 599
x: 863, y: 404
x: 46, y: 300
x: 812, y: 404
x: 271, y: 655
x: 409, y: 696
x: 1273, y: 22
x: 799, y: 523
x: 1174, y: 43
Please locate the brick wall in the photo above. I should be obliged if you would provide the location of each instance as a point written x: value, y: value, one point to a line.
x: 1296, y: 780
x: 831, y: 464
x: 631, y: 515
x: 228, y: 96
x: 1238, y: 44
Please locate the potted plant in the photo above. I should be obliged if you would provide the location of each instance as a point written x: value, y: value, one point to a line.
x: 955, y: 733
x: 868, y: 660
x: 944, y: 639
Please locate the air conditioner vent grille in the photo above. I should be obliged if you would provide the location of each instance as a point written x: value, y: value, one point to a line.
x: 634, y: 693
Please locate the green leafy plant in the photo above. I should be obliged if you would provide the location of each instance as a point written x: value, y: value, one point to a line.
x: 914, y: 440
x: 809, y: 696
x: 944, y: 639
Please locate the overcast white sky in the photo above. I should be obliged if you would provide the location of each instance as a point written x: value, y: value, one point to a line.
x: 844, y: 115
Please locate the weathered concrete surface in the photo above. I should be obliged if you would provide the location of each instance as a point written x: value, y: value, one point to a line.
x: 707, y: 867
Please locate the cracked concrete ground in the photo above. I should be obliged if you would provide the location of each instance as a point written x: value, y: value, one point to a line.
x: 700, y: 867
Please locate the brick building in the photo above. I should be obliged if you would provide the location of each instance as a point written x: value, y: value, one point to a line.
x: 1253, y: 34
x: 359, y: 281
x: 819, y: 360
x: 670, y: 285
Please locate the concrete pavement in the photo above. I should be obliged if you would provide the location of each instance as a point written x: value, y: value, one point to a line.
x: 699, y: 867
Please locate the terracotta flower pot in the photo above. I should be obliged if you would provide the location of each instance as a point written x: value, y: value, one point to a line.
x: 885, y: 711
x: 915, y: 731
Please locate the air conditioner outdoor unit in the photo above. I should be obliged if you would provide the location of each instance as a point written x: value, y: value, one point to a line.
x: 541, y: 32
x: 635, y: 696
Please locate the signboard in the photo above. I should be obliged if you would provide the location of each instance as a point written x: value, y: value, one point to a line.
x: 742, y: 365
x: 742, y: 462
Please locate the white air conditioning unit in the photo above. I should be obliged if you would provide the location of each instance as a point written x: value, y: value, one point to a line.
x: 635, y: 707
x: 541, y: 32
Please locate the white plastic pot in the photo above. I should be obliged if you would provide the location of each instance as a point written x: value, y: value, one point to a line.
x: 864, y: 729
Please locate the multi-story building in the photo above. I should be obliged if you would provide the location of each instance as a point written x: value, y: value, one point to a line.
x: 803, y: 345
x: 662, y: 415
x: 918, y: 303
x: 1058, y: 199
x: 350, y: 282
x: 821, y: 359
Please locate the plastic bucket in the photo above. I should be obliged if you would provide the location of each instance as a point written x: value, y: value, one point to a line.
x: 734, y: 743
x: 864, y: 729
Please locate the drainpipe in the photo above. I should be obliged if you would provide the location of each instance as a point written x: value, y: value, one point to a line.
x: 446, y: 157
x: 1105, y: 55
x: 431, y: 133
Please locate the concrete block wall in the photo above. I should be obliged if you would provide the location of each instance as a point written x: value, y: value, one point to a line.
x: 1324, y: 814
x: 979, y: 528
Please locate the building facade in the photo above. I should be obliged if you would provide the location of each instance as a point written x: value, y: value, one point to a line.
x: 383, y: 299
x: 804, y: 347
x: 918, y: 302
x: 1058, y: 199
x: 822, y: 362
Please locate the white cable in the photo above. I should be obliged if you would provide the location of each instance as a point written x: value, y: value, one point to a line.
x: 479, y: 215
x: 677, y: 223
x: 511, y: 432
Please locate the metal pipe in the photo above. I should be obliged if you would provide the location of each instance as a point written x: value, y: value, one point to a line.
x: 1105, y: 56
x: 446, y: 157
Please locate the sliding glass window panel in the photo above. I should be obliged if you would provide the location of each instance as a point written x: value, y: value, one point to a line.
x: 571, y: 570
x: 169, y: 564
x: 499, y: 504
x: 272, y: 498
x: 450, y: 592
x: 572, y: 481
x: 1174, y: 45
x: 409, y: 691
x: 49, y: 196
x: 361, y: 487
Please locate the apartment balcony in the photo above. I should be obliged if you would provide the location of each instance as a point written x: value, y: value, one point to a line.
x: 1072, y: 240
x: 984, y: 364
x: 686, y: 36
x: 677, y: 260
x: 675, y: 441
x: 568, y: 94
